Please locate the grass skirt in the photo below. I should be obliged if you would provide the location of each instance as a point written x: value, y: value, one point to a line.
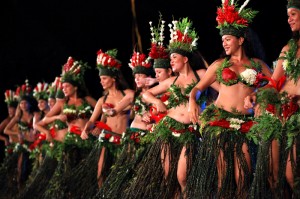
x: 82, y: 180
x: 40, y: 180
x: 292, y: 130
x: 8, y: 175
x: 203, y: 179
x: 125, y: 165
x: 268, y: 128
x: 149, y: 180
x: 72, y: 152
x: 279, y: 122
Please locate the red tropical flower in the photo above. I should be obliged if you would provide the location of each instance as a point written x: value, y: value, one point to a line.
x: 230, y: 15
x: 271, y: 108
x: 158, y: 51
x: 221, y: 123
x: 289, y: 109
x: 165, y: 97
x: 228, y: 75
x: 107, y: 136
x: 245, y: 127
x: 76, y: 130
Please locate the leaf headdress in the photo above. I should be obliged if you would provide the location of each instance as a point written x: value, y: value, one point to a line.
x: 233, y: 20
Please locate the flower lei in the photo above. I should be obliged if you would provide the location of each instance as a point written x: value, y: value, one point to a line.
x: 251, y: 77
x: 9, y: 149
x: 218, y: 120
x: 133, y: 135
x: 291, y: 64
x: 169, y: 128
x: 233, y: 123
x: 109, y: 137
x: 177, y: 132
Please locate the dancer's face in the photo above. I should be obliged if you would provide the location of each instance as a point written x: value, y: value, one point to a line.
x: 68, y: 89
x: 51, y: 102
x: 11, y: 111
x: 107, y: 81
x: 294, y: 19
x: 161, y: 74
x: 24, y: 105
x: 231, y: 44
x: 140, y: 80
x: 177, y: 61
x: 42, y: 104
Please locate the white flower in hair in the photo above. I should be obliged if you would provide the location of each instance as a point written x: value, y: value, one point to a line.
x: 182, y: 36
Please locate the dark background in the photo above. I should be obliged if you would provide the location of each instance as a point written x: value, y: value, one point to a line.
x: 37, y: 36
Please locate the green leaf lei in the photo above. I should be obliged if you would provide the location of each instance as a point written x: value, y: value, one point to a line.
x: 226, y: 64
x: 177, y: 97
x: 291, y: 64
x: 83, y: 111
x: 140, y: 107
x: 23, y: 126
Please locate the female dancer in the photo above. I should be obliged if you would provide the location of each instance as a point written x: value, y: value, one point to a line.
x: 113, y: 108
x: 74, y: 109
x: 223, y: 166
x: 25, y: 116
x: 278, y: 103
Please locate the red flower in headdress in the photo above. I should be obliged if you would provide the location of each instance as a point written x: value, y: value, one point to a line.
x: 139, y: 59
x: 183, y: 37
x: 230, y: 15
x: 158, y: 51
x: 108, y: 59
x: 67, y: 66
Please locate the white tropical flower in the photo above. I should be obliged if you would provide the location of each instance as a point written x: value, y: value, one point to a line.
x: 285, y: 64
x: 249, y: 76
x: 235, y: 123
x: 175, y: 134
x: 111, y: 139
